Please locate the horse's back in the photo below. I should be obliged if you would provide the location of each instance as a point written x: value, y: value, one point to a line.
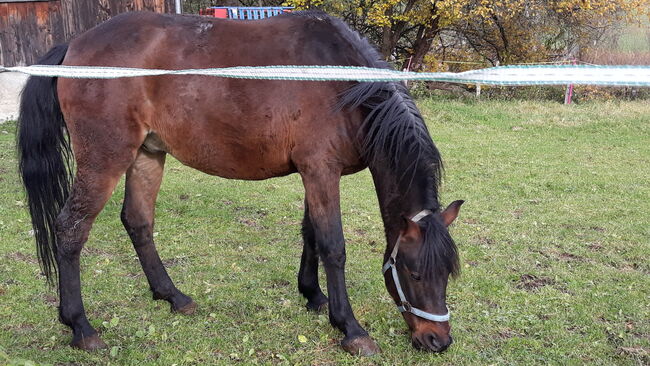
x: 247, y: 129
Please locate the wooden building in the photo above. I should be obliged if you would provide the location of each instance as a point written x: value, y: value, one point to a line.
x: 30, y: 28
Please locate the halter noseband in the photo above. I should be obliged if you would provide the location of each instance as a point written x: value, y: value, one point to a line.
x: 404, y: 305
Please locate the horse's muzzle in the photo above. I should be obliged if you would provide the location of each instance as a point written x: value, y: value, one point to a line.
x: 430, y: 341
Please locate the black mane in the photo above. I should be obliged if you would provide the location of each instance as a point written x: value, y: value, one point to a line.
x: 395, y: 133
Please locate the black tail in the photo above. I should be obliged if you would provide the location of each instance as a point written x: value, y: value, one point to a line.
x: 44, y: 159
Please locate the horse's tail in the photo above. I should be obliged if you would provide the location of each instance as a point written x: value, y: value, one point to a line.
x: 44, y: 159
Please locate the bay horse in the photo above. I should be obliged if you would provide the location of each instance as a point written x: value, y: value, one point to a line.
x: 236, y: 129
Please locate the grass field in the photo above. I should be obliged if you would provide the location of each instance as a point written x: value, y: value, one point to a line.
x: 554, y: 242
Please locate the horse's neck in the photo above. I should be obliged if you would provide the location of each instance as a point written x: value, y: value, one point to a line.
x: 396, y: 200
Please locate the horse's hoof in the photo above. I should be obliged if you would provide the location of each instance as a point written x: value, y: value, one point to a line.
x: 187, y: 309
x: 316, y: 307
x: 360, y: 346
x: 89, y: 343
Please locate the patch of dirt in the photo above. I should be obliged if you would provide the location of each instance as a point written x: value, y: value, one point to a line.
x: 175, y: 261
x: 360, y: 232
x: 531, y: 282
x: 18, y: 256
x: 506, y: 333
x: 575, y: 329
x: 491, y: 304
x: 289, y: 222
x: 10, y: 281
x: 94, y: 250
x: 642, y: 354
x: 279, y: 284
x: 596, y: 247
x: 517, y: 214
x: 184, y: 197
x: 250, y: 223
x: 484, y: 240
x: 597, y: 228
x: 571, y: 257
x: 24, y: 327
x: 51, y: 300
x: 543, y: 254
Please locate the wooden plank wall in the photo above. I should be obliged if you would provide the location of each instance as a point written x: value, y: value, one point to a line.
x: 29, y: 29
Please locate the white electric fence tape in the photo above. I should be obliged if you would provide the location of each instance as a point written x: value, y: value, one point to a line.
x: 502, y: 75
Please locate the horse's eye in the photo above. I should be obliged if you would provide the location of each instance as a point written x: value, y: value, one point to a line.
x: 415, y: 276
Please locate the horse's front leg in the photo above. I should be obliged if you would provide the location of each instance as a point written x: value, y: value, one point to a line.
x: 322, y: 195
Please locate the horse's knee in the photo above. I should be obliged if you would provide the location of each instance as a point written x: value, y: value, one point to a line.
x: 332, y: 255
x: 140, y: 231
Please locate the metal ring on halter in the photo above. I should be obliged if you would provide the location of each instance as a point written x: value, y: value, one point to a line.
x: 407, y: 306
x: 404, y: 305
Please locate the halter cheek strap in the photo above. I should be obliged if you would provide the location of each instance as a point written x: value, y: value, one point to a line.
x: 404, y: 305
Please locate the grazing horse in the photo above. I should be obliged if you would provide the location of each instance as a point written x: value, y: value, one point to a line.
x: 237, y: 129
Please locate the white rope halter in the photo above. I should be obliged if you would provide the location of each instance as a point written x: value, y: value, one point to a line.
x: 404, y: 305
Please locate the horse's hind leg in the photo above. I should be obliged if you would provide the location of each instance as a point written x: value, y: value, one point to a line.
x: 92, y: 187
x: 143, y: 180
x: 308, y: 274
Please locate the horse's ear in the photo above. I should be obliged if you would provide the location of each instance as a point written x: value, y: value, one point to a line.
x: 451, y: 212
x: 410, y: 230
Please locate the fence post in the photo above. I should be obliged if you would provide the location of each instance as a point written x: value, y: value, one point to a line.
x: 569, y: 90
x: 408, y: 68
x: 478, y: 90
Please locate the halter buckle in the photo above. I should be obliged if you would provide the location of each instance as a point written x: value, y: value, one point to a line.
x: 407, y: 306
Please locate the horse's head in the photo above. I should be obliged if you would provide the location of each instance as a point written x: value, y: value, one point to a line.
x: 421, y: 260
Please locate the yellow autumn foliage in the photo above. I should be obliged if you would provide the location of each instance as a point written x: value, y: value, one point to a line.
x: 496, y: 31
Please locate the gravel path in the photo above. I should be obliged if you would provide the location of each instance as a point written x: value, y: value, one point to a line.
x: 11, y: 83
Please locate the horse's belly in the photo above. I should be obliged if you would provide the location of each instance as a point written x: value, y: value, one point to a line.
x: 233, y: 159
x: 245, y: 169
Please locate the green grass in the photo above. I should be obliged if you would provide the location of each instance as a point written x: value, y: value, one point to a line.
x: 554, y: 242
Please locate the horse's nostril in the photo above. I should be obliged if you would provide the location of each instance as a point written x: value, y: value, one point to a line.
x: 432, y: 342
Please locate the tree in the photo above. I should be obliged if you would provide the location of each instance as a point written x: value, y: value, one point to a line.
x: 418, y: 33
x: 511, y: 31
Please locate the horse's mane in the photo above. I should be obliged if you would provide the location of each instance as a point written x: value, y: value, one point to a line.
x: 395, y: 133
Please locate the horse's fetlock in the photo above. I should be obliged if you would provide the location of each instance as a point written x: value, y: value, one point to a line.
x: 68, y: 317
